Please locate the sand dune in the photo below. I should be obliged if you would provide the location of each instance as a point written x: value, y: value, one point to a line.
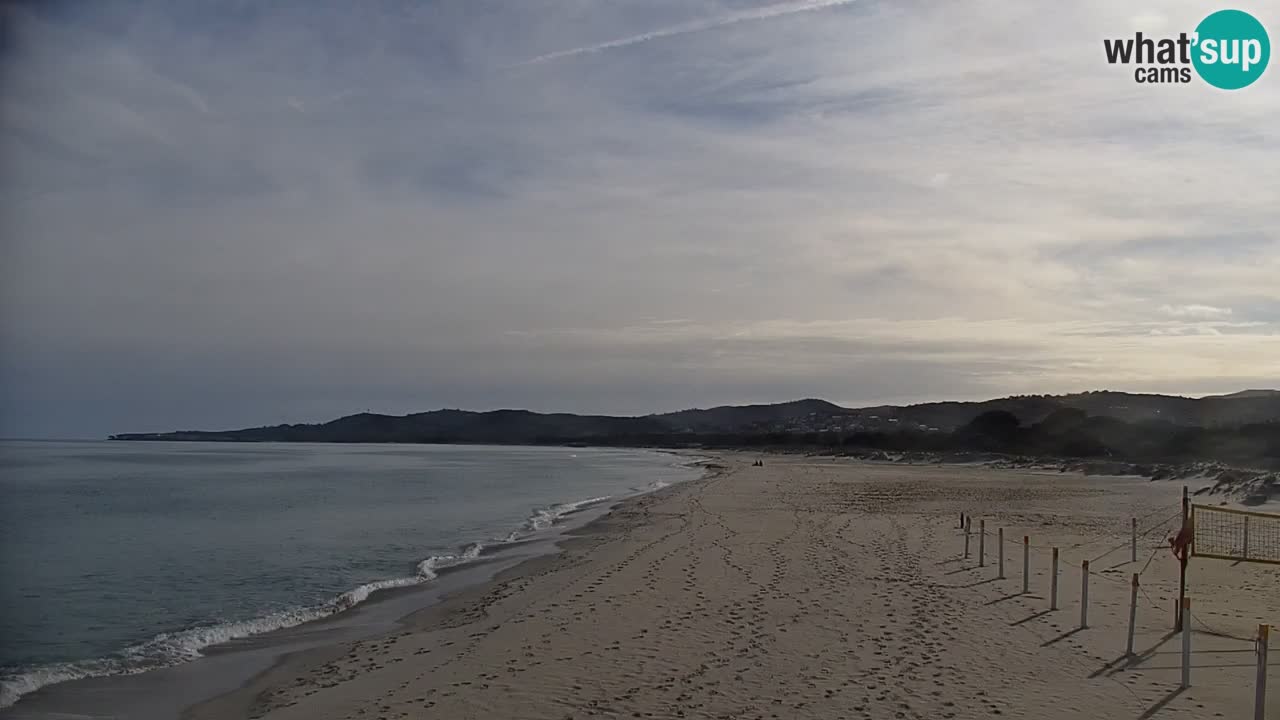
x: 815, y: 589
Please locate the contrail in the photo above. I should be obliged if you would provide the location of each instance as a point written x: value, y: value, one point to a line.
x: 764, y: 13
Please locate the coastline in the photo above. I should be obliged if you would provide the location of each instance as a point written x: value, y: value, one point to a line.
x: 451, y: 607
x: 376, y: 608
x: 808, y: 588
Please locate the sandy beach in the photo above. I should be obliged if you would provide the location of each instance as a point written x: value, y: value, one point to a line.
x: 816, y: 588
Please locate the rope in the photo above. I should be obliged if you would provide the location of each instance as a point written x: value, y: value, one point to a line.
x: 1149, y: 559
x: 1017, y: 543
x: 1214, y: 631
x: 1161, y: 525
x: 1121, y: 546
x: 1150, y: 599
x: 1118, y: 581
x: 1153, y: 512
x: 1140, y: 536
x: 1071, y: 657
x: 1101, y: 538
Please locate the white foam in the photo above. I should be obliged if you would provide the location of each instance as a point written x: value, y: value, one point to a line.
x: 543, y: 518
x: 167, y: 649
x: 13, y: 687
x: 427, y: 568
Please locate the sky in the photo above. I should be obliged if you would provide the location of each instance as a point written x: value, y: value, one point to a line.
x: 236, y: 213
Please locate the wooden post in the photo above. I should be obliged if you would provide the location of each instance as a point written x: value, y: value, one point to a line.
x: 982, y: 543
x: 1053, y: 584
x: 962, y: 520
x: 1000, y: 537
x: 1026, y: 564
x: 1186, y: 642
x: 1260, y: 693
x: 1182, y: 571
x: 1133, y: 543
x: 966, y: 538
x: 1133, y: 615
x: 1084, y: 594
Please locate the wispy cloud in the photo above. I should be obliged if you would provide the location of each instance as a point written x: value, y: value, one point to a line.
x: 714, y: 23
x: 1207, y: 312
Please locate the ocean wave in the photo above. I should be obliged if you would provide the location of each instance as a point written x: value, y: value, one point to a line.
x: 427, y: 568
x: 543, y: 518
x: 15, y: 686
x: 651, y: 487
x: 173, y: 648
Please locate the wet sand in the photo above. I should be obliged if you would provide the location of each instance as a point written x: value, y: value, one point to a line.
x: 813, y: 588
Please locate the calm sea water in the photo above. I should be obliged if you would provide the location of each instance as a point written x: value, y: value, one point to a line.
x: 118, y: 557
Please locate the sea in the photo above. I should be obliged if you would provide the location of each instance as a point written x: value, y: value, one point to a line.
x: 118, y: 557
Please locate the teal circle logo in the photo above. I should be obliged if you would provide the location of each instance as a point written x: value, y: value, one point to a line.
x: 1231, y: 50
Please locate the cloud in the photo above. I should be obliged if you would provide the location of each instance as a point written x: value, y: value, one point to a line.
x: 1208, y: 312
x: 714, y: 23
x: 223, y: 215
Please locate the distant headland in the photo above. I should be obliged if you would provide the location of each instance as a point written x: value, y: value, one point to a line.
x: 1241, y: 427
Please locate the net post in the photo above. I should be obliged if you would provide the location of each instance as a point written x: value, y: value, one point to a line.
x: 1084, y: 594
x: 1260, y: 692
x: 1053, y: 583
x: 1185, y: 607
x: 1182, y: 571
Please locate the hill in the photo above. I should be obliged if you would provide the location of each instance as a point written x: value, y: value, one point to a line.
x: 1251, y: 406
x: 1248, y: 394
x: 1235, y: 427
x: 440, y: 426
x: 746, y: 417
x: 516, y: 426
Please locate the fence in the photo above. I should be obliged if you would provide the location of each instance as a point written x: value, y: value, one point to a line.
x: 1241, y: 535
x: 1211, y: 532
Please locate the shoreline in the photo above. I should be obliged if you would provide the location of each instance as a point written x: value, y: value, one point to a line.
x: 811, y: 589
x: 380, y: 604
x: 243, y: 701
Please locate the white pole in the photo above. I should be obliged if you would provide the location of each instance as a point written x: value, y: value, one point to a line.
x: 1260, y: 694
x: 1186, y: 643
x: 982, y: 543
x: 1133, y: 544
x: 1133, y: 615
x: 1053, y: 585
x: 1000, y: 537
x: 1026, y: 564
x: 1084, y: 594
